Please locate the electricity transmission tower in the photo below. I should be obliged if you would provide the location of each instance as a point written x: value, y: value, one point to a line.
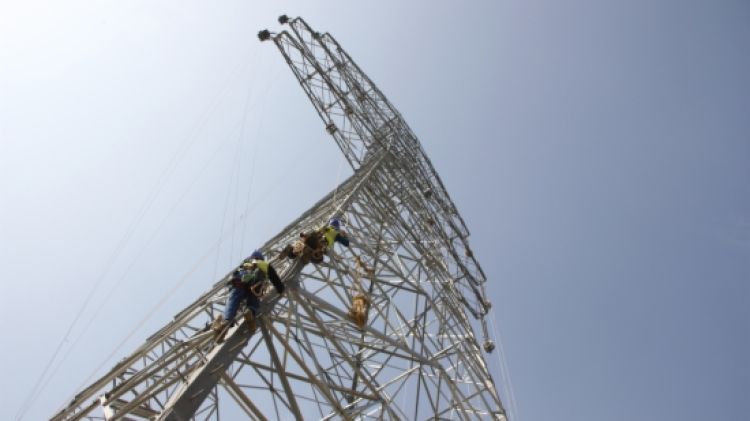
x: 417, y: 356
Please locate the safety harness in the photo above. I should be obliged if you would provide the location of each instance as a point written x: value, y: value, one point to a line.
x: 249, y: 278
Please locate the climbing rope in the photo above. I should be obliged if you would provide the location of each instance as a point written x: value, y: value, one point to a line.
x: 235, y: 168
x: 180, y: 282
x: 222, y: 239
x: 142, y: 251
x: 504, y: 372
x: 159, y: 184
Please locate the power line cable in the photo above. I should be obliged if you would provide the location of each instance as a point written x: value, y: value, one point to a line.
x: 170, y: 292
x: 150, y: 199
x: 126, y: 272
x: 504, y: 372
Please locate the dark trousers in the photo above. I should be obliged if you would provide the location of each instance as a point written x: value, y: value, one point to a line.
x: 235, y: 299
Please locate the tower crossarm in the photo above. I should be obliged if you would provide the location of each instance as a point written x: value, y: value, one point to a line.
x: 375, y: 327
x: 360, y: 119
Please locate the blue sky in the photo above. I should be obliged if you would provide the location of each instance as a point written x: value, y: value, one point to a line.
x: 598, y: 151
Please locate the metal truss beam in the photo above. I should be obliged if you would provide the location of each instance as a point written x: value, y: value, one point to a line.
x: 415, y: 357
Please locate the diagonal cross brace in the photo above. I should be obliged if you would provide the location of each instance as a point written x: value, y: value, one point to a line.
x: 184, y: 402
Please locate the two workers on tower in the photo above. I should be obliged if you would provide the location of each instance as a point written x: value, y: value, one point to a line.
x: 248, y: 281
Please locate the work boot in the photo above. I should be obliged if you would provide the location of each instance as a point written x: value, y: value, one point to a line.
x: 250, y: 321
x: 217, y: 323
x: 288, y: 252
x: 220, y: 327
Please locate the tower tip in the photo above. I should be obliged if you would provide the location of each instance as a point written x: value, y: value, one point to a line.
x: 264, y: 35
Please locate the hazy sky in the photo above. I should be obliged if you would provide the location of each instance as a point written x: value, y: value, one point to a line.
x: 599, y: 152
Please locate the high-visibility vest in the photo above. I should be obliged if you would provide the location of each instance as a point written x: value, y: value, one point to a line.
x: 256, y: 285
x: 330, y: 235
x: 262, y: 264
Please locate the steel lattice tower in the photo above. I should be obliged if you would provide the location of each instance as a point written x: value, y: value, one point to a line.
x: 417, y: 357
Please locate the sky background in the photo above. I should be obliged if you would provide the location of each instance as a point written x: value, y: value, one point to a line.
x: 599, y: 152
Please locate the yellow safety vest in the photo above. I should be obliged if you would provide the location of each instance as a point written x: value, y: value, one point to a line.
x: 330, y: 234
x: 258, y: 286
x: 262, y: 264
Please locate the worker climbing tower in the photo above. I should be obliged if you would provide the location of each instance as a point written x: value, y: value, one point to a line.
x: 383, y: 329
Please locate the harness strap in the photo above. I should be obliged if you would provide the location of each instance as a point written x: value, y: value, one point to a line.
x: 257, y: 288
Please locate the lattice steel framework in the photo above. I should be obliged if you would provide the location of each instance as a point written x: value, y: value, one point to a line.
x: 416, y: 358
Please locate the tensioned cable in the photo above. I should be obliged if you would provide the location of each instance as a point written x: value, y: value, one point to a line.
x: 150, y: 198
x: 236, y: 198
x: 233, y: 192
x: 234, y: 180
x: 258, y: 126
x: 505, y: 373
x: 152, y: 311
x: 301, y: 153
x: 338, y: 179
x: 243, y: 215
x: 125, y: 273
x: 269, y: 189
x: 155, y: 232
x: 252, y: 166
x: 234, y: 183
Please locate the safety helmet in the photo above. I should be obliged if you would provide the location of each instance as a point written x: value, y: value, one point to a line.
x: 257, y: 255
x: 335, y: 223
